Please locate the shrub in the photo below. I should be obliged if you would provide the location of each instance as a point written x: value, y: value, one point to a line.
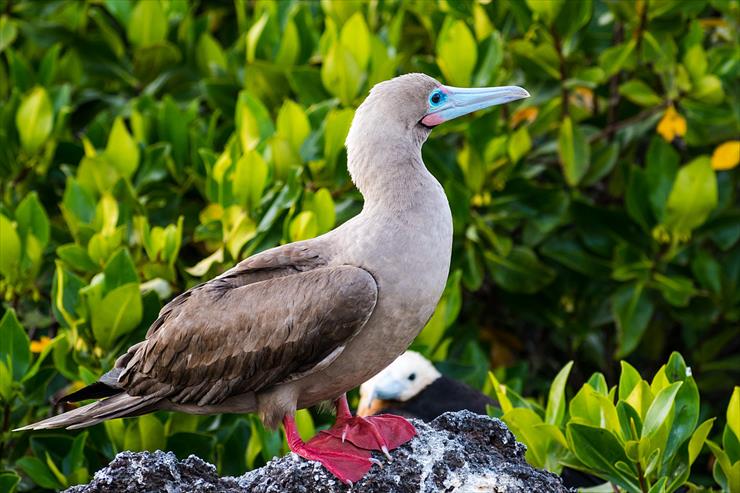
x: 148, y: 145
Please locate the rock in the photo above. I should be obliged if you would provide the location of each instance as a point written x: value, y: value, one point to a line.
x: 457, y: 452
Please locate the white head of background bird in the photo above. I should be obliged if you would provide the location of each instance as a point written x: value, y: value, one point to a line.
x: 406, y: 377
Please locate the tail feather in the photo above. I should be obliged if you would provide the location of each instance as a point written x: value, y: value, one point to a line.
x: 97, y: 390
x: 118, y: 406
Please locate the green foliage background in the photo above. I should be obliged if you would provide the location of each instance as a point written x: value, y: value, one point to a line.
x: 147, y: 146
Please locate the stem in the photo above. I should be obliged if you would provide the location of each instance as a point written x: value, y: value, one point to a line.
x: 6, y: 427
x: 564, y: 93
x: 641, y: 477
x: 611, y: 128
x: 611, y: 115
x: 641, y: 27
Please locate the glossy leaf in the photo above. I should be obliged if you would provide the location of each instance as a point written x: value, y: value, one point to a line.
x: 14, y: 345
x: 632, y: 309
x: 34, y: 119
x: 574, y: 150
x: 457, y: 53
x: 693, y: 197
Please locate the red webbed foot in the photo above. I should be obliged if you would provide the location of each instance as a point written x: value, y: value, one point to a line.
x: 383, y: 432
x: 343, y: 459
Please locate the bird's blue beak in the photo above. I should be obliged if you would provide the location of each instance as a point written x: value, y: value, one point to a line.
x: 459, y: 101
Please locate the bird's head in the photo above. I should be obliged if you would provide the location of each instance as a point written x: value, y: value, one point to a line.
x: 415, y: 103
x: 403, y: 379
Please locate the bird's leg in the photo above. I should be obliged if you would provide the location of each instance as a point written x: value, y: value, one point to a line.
x: 343, y: 459
x: 383, y: 432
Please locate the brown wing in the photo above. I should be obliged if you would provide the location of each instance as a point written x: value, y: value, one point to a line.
x: 240, y: 333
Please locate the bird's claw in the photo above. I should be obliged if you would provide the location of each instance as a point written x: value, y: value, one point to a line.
x: 387, y: 453
x: 375, y: 461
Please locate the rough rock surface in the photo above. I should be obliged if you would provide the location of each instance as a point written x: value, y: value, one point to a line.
x: 457, y: 452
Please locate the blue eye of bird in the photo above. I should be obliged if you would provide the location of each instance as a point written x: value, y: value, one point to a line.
x: 436, y: 98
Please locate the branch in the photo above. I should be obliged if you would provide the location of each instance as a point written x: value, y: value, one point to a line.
x: 611, y: 114
x: 564, y: 94
x: 612, y: 128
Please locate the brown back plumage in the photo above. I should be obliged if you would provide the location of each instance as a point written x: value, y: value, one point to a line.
x: 273, y: 317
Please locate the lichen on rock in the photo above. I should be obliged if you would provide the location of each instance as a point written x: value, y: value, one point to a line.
x: 457, y: 452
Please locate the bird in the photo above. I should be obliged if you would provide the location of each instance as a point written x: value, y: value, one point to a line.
x: 412, y: 387
x: 303, y: 323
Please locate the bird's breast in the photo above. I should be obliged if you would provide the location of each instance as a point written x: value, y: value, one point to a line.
x: 409, y: 257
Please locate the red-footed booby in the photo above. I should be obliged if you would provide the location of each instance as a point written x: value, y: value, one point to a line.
x: 305, y: 322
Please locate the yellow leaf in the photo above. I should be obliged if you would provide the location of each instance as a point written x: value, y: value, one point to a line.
x: 726, y: 156
x: 528, y: 115
x: 672, y: 125
x: 38, y: 346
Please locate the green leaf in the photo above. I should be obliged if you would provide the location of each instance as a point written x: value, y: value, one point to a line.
x: 707, y: 271
x: 76, y: 257
x: 209, y: 55
x: 600, y: 450
x: 520, y: 271
x: 629, y: 418
x: 659, y: 486
x: 118, y: 313
x: 677, y: 290
x: 303, y: 226
x: 152, y: 433
x: 322, y: 204
x: 304, y: 423
x: 355, y: 36
x: 457, y: 53
x: 66, y: 295
x: 733, y: 412
x: 119, y: 270
x: 293, y: 124
x: 547, y: 10
x: 629, y: 378
x: 250, y: 178
x: 14, y: 345
x: 698, y: 438
x: 639, y: 93
x: 661, y: 166
x: 8, y: 32
x: 555, y: 410
x: 695, y: 61
x: 34, y: 119
x: 340, y: 73
x: 659, y: 409
x: 574, y: 151
x: 523, y: 423
x: 289, y: 46
x: 519, y: 144
x: 708, y: 90
x: 253, y: 122
x: 632, y: 311
x: 148, y: 23
x: 613, y: 59
x: 337, y: 127
x: 6, y: 383
x: 32, y: 219
x: 693, y: 197
x: 39, y: 473
x: 8, y: 479
x: 10, y: 249
x: 122, y: 151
